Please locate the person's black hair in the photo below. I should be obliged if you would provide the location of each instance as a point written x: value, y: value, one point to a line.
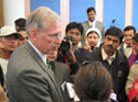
x: 130, y: 27
x: 115, y: 31
x: 91, y: 9
x: 73, y: 25
x: 20, y: 23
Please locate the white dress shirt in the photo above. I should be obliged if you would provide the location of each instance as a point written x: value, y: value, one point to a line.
x: 127, y: 50
x: 43, y: 56
x: 106, y: 57
x: 92, y: 24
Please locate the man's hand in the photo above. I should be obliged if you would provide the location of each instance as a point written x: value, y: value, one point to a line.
x: 71, y: 57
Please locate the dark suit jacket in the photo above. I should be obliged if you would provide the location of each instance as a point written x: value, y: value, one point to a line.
x: 99, y: 25
x: 28, y: 78
x: 82, y: 55
x: 62, y: 74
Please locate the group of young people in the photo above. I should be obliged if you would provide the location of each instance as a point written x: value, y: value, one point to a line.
x: 100, y: 63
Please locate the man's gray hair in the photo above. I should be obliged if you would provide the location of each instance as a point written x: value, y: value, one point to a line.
x: 39, y: 17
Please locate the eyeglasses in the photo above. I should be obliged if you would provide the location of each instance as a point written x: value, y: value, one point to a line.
x: 76, y: 33
x: 110, y: 39
x: 11, y: 37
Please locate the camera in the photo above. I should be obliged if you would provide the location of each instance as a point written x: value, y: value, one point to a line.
x: 66, y: 44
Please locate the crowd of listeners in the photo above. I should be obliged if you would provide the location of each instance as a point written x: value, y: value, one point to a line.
x: 100, y: 65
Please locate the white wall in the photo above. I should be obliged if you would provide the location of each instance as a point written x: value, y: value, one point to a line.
x: 13, y: 9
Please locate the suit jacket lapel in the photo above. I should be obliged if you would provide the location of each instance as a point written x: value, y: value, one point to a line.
x: 41, y: 63
x: 88, y: 26
x: 96, y: 24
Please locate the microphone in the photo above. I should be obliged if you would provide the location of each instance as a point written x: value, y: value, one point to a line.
x: 114, y: 20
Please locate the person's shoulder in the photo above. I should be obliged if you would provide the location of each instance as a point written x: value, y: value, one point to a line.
x: 96, y: 55
x: 100, y: 23
x: 121, y: 57
x: 134, y: 66
x: 61, y: 65
x: 82, y: 51
x: 96, y: 50
x: 84, y: 23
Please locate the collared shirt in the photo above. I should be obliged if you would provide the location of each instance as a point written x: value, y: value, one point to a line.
x: 43, y: 56
x: 127, y: 50
x: 125, y: 45
x: 106, y: 57
x: 76, y: 49
x: 92, y: 24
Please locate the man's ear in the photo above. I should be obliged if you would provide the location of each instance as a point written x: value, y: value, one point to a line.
x: 33, y: 34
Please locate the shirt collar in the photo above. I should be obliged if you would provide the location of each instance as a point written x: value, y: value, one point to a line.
x: 105, y: 56
x: 92, y: 23
x: 43, y: 56
x: 125, y: 45
x: 76, y: 48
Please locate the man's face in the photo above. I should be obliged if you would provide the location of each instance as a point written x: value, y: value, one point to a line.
x: 47, y: 41
x: 128, y: 35
x: 52, y: 56
x: 91, y: 16
x: 10, y: 43
x: 111, y: 43
x: 75, y: 34
x: 135, y: 46
x: 92, y: 39
x: 25, y: 37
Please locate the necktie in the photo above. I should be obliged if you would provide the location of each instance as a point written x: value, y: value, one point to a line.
x: 50, y: 66
x: 91, y: 25
x: 128, y: 46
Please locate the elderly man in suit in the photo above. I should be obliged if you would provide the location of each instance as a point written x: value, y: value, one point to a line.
x: 29, y: 79
x: 92, y: 23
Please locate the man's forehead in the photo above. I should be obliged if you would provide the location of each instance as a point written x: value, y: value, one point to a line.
x: 113, y: 37
x: 129, y: 31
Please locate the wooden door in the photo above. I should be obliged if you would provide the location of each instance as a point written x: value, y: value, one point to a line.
x: 1, y: 13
